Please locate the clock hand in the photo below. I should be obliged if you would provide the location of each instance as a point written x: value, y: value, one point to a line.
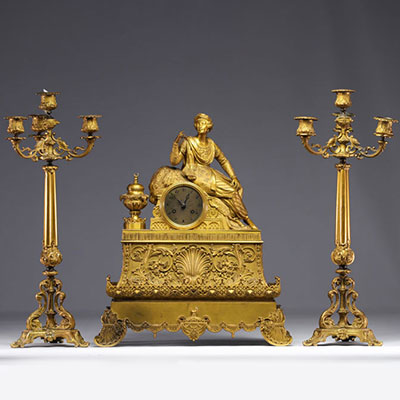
x: 182, y: 204
x: 186, y: 199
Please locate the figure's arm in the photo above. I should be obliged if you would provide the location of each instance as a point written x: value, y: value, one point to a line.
x: 227, y: 167
x: 177, y: 154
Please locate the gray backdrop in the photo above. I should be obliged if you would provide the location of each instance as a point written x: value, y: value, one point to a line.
x: 149, y: 67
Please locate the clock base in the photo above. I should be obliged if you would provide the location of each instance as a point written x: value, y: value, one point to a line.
x: 193, y: 318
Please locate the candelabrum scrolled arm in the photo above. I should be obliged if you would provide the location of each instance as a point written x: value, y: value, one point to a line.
x: 79, y: 151
x: 24, y: 152
x: 343, y: 144
x: 49, y: 148
x: 315, y: 149
x: 384, y: 130
x: 372, y: 151
x: 305, y: 131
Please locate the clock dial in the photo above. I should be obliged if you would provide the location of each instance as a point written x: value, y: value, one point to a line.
x: 183, y: 205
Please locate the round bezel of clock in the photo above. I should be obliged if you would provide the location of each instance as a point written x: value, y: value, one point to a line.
x: 184, y: 205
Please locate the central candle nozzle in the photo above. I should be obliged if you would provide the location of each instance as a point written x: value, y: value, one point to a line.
x: 48, y: 101
x: 343, y: 98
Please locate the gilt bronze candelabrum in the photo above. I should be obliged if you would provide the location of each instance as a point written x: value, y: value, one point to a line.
x: 48, y: 148
x: 343, y: 145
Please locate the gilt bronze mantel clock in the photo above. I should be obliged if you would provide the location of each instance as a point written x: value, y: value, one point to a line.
x: 343, y: 145
x: 199, y: 267
x: 59, y: 323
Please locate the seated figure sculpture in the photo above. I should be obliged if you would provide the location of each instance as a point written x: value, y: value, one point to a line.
x: 196, y: 154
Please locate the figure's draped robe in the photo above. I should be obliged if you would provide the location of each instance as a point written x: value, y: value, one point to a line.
x: 196, y: 168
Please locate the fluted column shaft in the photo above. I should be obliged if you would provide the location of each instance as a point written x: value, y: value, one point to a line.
x: 342, y: 230
x: 50, y: 236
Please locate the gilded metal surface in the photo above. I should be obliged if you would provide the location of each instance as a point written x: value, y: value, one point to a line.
x: 342, y: 254
x: 343, y: 145
x: 50, y: 299
x: 16, y: 124
x: 49, y: 148
x: 196, y: 269
x: 204, y: 210
x: 343, y: 98
x: 50, y: 296
x: 196, y: 153
x: 48, y: 100
x: 134, y: 200
x: 343, y: 297
x: 194, y: 318
x: 205, y: 276
x: 90, y: 124
x: 215, y: 216
x: 200, y: 236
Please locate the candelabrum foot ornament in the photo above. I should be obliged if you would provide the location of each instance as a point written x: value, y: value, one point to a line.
x: 343, y: 298
x: 50, y: 299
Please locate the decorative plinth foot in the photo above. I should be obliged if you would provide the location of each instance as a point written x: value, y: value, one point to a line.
x: 273, y: 329
x: 113, y: 330
x: 193, y: 319
x: 50, y: 299
x: 343, y: 298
